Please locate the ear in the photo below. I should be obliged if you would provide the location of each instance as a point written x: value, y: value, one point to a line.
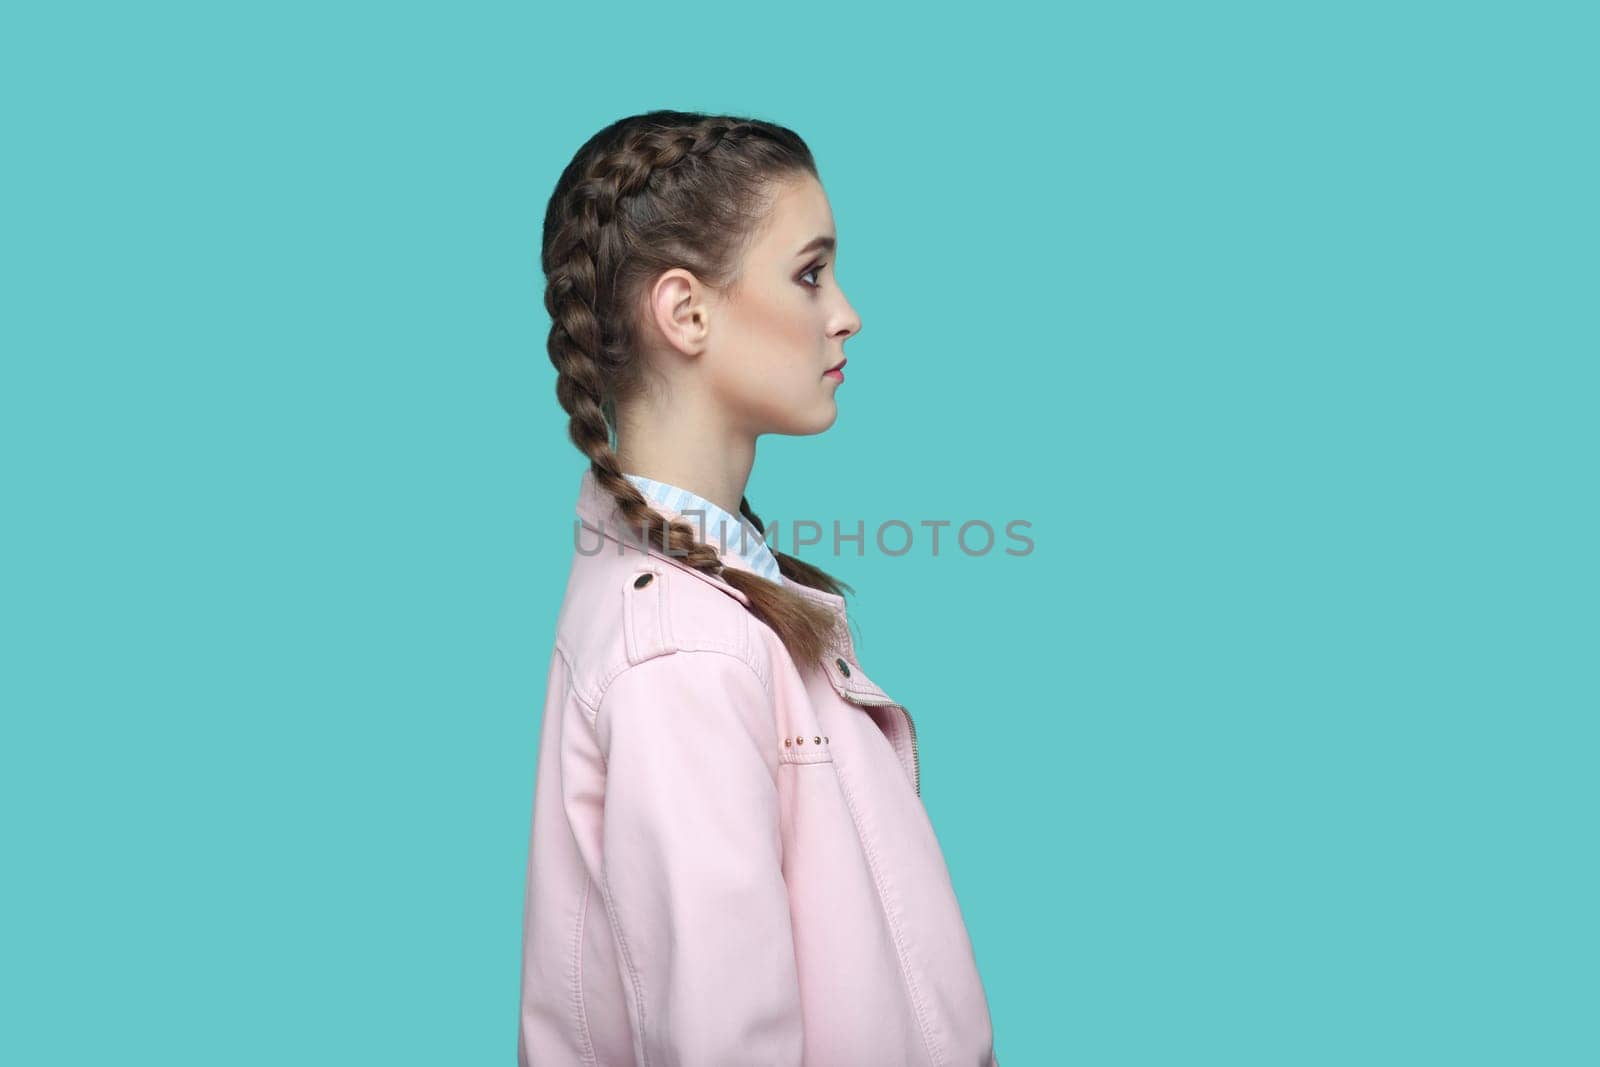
x: 679, y: 308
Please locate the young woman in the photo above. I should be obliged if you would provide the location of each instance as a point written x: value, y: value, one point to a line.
x: 730, y: 861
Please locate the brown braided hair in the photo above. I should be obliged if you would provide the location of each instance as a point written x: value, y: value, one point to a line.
x: 648, y: 193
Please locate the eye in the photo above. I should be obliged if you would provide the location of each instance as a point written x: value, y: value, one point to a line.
x: 815, y: 268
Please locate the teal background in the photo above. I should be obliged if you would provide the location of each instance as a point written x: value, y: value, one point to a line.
x: 1277, y: 322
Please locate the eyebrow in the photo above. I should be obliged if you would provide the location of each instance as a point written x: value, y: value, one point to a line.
x: 826, y: 243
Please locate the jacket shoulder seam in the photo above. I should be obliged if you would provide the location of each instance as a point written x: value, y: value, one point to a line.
x: 575, y: 679
x: 680, y: 647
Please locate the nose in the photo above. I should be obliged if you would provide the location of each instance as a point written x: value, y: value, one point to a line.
x: 849, y: 324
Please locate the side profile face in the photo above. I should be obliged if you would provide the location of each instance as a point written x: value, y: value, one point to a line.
x: 761, y: 350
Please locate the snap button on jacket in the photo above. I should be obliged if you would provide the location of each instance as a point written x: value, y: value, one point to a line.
x: 730, y: 863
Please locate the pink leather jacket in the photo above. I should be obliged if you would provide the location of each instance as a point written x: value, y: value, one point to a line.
x: 730, y: 862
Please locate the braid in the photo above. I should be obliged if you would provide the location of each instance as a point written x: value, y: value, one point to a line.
x: 594, y: 252
x: 575, y: 342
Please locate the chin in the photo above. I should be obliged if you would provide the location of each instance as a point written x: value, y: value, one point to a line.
x: 804, y: 424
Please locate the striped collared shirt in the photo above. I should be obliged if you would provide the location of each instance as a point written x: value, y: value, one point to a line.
x: 728, y: 534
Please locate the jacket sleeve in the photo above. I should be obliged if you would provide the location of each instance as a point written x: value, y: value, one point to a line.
x: 692, y: 867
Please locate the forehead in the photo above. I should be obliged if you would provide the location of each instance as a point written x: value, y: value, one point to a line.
x: 800, y: 212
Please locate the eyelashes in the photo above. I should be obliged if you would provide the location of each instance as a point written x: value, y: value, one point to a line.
x: 815, y: 268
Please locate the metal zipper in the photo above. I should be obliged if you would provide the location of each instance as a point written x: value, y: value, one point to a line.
x: 916, y: 763
x: 916, y: 766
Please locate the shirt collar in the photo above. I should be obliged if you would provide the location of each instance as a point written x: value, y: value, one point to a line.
x: 731, y: 535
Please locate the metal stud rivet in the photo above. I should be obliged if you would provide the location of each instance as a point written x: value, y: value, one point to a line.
x: 844, y: 667
x: 787, y: 741
x: 642, y: 581
x: 816, y: 740
x: 799, y: 740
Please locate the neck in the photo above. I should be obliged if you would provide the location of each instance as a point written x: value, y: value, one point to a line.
x: 690, y: 454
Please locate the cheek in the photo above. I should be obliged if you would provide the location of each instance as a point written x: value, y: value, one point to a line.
x: 781, y: 335
x: 773, y: 359
x: 796, y: 333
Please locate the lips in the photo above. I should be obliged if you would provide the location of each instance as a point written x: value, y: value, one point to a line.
x: 837, y: 366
